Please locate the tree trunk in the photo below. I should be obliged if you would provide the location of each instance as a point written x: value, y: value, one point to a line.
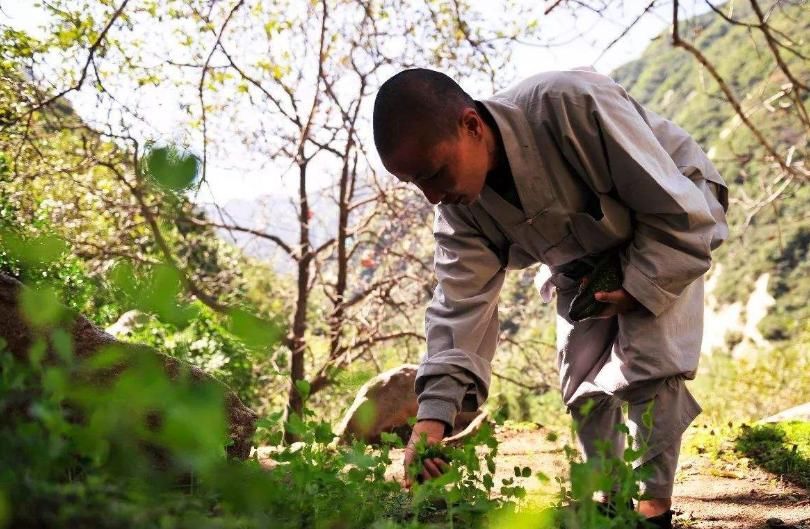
x: 88, y: 339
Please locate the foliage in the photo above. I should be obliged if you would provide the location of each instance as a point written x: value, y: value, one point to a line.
x: 38, y: 257
x: 144, y: 448
x: 74, y: 453
x: 206, y: 342
x: 170, y: 167
x: 749, y: 389
x: 782, y: 448
x: 231, y: 346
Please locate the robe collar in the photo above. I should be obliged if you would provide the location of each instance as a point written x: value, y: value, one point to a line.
x: 528, y: 170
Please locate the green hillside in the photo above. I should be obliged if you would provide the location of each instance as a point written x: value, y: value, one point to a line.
x: 672, y: 83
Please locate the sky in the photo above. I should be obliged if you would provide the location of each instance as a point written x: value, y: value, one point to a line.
x: 247, y: 180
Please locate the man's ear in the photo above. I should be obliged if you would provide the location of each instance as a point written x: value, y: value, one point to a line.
x: 471, y: 122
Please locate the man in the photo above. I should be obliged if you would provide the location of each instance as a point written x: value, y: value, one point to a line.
x: 560, y: 169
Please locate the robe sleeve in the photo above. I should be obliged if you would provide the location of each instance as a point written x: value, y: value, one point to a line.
x: 461, y: 320
x: 614, y: 149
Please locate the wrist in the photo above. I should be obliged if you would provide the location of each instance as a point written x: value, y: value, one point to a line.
x: 445, y: 427
x: 438, y: 410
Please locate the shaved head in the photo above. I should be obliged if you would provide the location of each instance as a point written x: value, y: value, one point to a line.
x: 417, y: 104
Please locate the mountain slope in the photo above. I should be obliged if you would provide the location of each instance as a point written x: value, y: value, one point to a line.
x: 669, y: 81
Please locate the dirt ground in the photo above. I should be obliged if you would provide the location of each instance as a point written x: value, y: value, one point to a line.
x: 705, y: 497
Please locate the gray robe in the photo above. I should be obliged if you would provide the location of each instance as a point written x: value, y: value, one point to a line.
x: 594, y: 170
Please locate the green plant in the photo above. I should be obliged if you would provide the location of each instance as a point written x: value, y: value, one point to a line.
x: 782, y: 448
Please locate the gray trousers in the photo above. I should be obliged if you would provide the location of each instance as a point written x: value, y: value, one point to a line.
x: 670, y: 408
x: 598, y: 363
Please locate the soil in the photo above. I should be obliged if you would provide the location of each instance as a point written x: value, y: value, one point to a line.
x: 706, y: 497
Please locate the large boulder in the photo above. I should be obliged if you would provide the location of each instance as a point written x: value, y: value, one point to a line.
x: 88, y: 339
x: 127, y: 323
x: 796, y: 413
x: 384, y: 404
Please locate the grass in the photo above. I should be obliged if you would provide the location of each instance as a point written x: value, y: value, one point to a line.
x: 781, y: 448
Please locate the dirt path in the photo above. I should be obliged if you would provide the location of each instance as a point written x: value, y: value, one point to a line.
x: 706, y: 497
x: 710, y: 499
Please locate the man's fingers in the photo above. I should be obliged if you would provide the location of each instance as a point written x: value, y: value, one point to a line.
x: 613, y: 297
x: 406, y: 463
x: 429, y: 432
x: 432, y: 468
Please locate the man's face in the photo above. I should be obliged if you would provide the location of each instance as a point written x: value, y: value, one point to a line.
x: 451, y: 171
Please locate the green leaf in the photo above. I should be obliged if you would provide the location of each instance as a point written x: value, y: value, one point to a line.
x: 37, y: 351
x: 40, y: 306
x: 253, y: 331
x: 366, y: 415
x: 303, y: 387
x: 171, y: 167
x: 323, y: 432
x: 63, y: 344
x: 295, y: 425
x: 391, y: 439
x: 33, y: 251
x: 5, y: 508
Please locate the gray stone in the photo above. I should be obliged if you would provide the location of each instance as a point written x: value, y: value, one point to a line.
x: 384, y: 404
x: 796, y: 413
x: 129, y: 321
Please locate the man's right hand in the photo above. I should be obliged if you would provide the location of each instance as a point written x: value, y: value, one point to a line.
x: 431, y: 467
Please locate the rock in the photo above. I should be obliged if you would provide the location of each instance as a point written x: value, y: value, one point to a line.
x: 385, y: 403
x: 796, y: 413
x: 473, y: 426
x: 128, y: 322
x: 88, y: 339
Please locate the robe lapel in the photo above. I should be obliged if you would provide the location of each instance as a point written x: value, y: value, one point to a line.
x: 543, y: 215
x: 527, y: 167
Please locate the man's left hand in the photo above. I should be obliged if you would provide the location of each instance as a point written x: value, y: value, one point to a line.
x: 619, y: 301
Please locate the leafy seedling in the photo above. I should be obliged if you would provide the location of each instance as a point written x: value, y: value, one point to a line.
x: 606, y: 276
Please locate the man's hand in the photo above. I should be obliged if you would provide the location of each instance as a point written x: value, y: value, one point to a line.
x: 619, y: 301
x: 431, y: 467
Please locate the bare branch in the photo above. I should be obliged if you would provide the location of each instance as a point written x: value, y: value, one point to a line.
x: 90, y: 53
x: 732, y: 99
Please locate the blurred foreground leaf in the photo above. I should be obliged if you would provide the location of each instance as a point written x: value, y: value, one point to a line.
x: 171, y: 167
